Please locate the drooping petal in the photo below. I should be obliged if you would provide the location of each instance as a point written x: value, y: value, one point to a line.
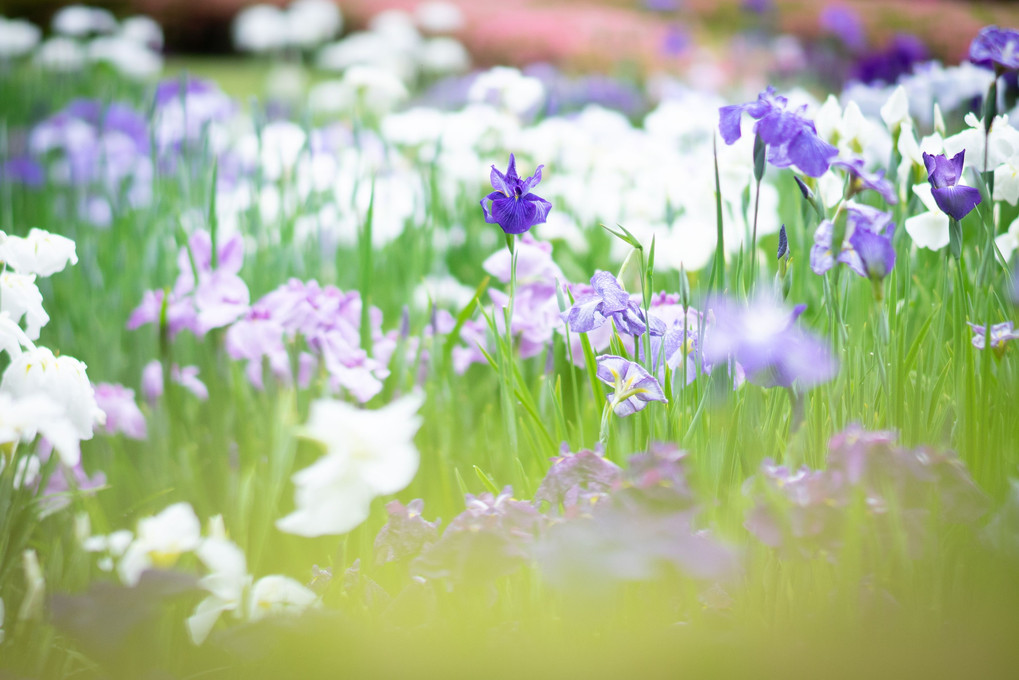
x: 956, y: 201
x: 810, y: 153
x: 729, y: 122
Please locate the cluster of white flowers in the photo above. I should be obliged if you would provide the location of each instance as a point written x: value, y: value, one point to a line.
x: 40, y: 393
x: 161, y: 540
x: 83, y: 35
x: 305, y: 24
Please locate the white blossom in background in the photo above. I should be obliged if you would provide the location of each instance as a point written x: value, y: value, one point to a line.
x: 852, y: 133
x: 278, y: 596
x: 895, y: 111
x: 24, y: 418
x: 312, y: 22
x: 160, y: 541
x: 444, y: 56
x: 231, y: 590
x: 21, y: 299
x: 367, y: 454
x: 12, y: 338
x: 143, y: 30
x: 110, y: 548
x: 62, y: 55
x: 40, y: 253
x: 443, y: 291
x: 507, y: 88
x: 62, y: 379
x: 129, y: 57
x: 368, y: 89
x: 226, y: 582
x: 927, y: 229
x: 27, y: 472
x: 439, y: 17
x: 17, y: 37
x: 79, y: 21
x: 260, y: 29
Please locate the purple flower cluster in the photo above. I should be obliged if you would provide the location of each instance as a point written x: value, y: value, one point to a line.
x: 867, y: 247
x: 204, y: 297
x: 790, y: 136
x: 954, y: 199
x: 328, y: 323
x: 591, y: 523
x: 101, y: 150
x: 809, y: 511
x: 122, y: 413
x: 763, y: 338
x: 535, y: 316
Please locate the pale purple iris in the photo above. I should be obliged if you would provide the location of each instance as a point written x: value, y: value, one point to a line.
x: 329, y: 323
x: 633, y: 387
x: 862, y: 178
x: 122, y: 413
x: 512, y: 205
x: 996, y: 47
x: 607, y: 301
x: 867, y: 248
x: 954, y: 199
x: 187, y: 377
x: 574, y: 478
x: 406, y: 533
x: 791, y: 137
x: 219, y: 298
x: 1001, y: 335
x: 844, y: 23
x: 764, y: 339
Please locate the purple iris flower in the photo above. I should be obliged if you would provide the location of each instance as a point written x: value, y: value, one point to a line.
x: 845, y: 24
x: 764, y: 339
x: 791, y: 138
x: 633, y: 386
x: 863, y: 179
x: 867, y: 248
x: 586, y: 476
x: 1001, y: 334
x: 608, y: 300
x: 512, y: 205
x: 954, y: 199
x: 996, y: 47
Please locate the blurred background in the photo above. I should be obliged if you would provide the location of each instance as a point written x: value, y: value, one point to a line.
x: 599, y: 33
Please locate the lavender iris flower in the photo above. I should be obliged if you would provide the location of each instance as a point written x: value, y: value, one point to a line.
x: 609, y: 301
x: 512, y: 205
x: 954, y: 199
x: 764, y: 339
x: 634, y: 387
x: 791, y: 138
x: 1001, y: 334
x: 863, y: 179
x: 867, y: 248
x: 844, y: 23
x: 996, y: 47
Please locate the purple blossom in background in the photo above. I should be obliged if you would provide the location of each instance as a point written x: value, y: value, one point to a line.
x: 657, y: 481
x: 888, y: 65
x: 607, y: 301
x: 186, y: 377
x: 633, y: 387
x: 512, y: 205
x: 186, y: 113
x: 954, y: 199
x: 758, y: 6
x: 862, y: 179
x: 220, y: 298
x: 791, y: 137
x: 996, y: 47
x: 492, y: 537
x: 577, y: 478
x: 122, y: 413
x: 676, y: 41
x: 23, y: 170
x: 1001, y: 335
x: 766, y: 342
x: 807, y: 511
x: 406, y: 533
x: 329, y: 323
x: 867, y: 245
x: 844, y: 23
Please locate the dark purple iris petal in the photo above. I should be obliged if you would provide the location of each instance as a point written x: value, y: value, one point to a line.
x: 954, y: 200
x: 995, y: 46
x: 512, y: 205
x: 875, y: 254
x: 875, y: 181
